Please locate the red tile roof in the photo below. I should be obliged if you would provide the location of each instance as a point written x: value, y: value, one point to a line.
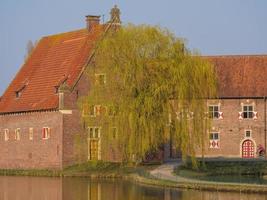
x: 61, y: 58
x: 56, y: 59
x: 241, y: 76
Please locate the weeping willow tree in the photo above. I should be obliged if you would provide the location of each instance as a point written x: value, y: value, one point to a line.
x: 153, y: 82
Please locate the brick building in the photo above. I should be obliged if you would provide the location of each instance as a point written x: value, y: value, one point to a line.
x: 39, y: 115
x: 238, y: 116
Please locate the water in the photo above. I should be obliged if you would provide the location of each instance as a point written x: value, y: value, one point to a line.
x: 42, y: 188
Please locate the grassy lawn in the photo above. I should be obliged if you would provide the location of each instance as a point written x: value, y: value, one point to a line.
x: 93, y: 169
x: 230, y: 170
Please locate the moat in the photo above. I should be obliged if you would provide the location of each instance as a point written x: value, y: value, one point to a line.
x: 45, y: 188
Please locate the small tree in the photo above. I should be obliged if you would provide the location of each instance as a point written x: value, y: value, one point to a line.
x: 151, y: 77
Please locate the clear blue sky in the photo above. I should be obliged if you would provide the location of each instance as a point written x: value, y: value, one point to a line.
x: 213, y: 27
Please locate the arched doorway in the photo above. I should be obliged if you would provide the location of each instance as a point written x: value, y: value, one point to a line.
x: 248, y: 149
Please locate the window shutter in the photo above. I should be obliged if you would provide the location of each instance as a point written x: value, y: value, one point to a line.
x: 85, y: 109
x: 43, y: 133
x: 206, y: 114
x: 103, y: 110
x: 214, y: 144
x: 255, y: 115
x: 177, y: 115
x: 220, y: 115
x: 240, y: 115
x: 98, y: 109
x: 49, y: 133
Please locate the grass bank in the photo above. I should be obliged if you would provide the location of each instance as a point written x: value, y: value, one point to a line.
x: 221, y: 172
x: 217, y: 167
x: 89, y: 169
x: 141, y: 175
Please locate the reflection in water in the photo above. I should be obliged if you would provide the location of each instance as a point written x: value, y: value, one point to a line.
x: 39, y: 188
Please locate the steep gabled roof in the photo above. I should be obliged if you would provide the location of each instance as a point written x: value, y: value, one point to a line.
x: 241, y: 76
x: 56, y: 59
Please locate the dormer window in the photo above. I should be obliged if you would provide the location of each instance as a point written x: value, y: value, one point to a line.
x: 19, y: 90
x: 56, y: 89
x: 18, y: 94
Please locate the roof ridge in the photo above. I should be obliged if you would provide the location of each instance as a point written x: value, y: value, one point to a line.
x: 237, y: 55
x: 65, y: 33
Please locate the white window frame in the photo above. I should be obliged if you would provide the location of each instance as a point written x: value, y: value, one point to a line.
x: 17, y: 134
x: 97, y: 75
x: 112, y: 132
x: 248, y: 130
x: 30, y: 133
x: 6, y: 134
x: 213, y: 105
x: 213, y: 133
x: 253, y: 109
x: 214, y: 141
x: 95, y: 112
x: 94, y: 133
x: 46, y: 133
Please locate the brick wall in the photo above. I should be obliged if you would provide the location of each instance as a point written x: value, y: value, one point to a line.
x: 37, y: 153
x: 232, y: 129
x: 74, y: 131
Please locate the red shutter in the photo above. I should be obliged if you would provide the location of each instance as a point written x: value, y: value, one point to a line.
x: 214, y: 144
x: 255, y: 115
x: 240, y: 115
x: 98, y: 109
x: 177, y: 115
x: 220, y: 115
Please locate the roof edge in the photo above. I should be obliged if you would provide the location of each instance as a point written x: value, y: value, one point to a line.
x: 28, y: 111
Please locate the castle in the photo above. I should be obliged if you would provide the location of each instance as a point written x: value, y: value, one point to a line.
x: 40, y: 118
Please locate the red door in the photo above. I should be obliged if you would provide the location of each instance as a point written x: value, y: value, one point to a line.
x: 248, y: 149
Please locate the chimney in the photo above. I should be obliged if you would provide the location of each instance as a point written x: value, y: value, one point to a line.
x: 92, y: 21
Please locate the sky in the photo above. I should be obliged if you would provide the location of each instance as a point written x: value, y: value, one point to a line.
x: 213, y: 27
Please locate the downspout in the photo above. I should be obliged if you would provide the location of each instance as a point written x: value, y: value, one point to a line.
x: 265, y: 126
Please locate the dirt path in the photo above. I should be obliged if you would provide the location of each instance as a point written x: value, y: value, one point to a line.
x: 165, y: 172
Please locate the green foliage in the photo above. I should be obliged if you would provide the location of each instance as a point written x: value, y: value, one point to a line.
x: 30, y: 172
x: 229, y: 167
x: 150, y: 75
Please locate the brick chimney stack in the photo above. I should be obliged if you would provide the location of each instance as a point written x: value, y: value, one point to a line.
x: 92, y: 21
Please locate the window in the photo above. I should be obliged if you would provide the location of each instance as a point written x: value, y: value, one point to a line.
x: 30, y: 133
x: 214, y: 140
x: 100, y: 79
x: 247, y: 133
x: 91, y: 132
x: 6, y: 134
x: 214, y: 111
x: 46, y: 133
x: 18, y: 94
x: 247, y: 111
x: 98, y: 109
x: 114, y: 132
x: 17, y: 134
x: 92, y: 111
x: 94, y: 132
x: 112, y: 110
x: 214, y: 136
